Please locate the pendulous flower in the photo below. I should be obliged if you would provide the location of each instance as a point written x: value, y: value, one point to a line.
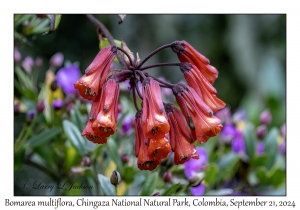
x: 155, y: 124
x: 91, y: 136
x: 198, y: 115
x: 106, y: 120
x: 95, y: 75
x: 145, y: 161
x: 186, y: 53
x: 180, y: 137
x: 199, y: 83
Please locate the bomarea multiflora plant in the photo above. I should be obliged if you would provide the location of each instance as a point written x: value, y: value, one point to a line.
x: 160, y: 127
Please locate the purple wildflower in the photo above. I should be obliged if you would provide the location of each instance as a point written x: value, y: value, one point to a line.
x: 227, y: 133
x: 57, y: 104
x: 66, y: 78
x: 192, y: 167
x: 238, y: 144
x: 57, y: 59
x: 265, y: 117
x: 260, y: 148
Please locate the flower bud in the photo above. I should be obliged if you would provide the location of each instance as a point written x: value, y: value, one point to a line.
x: 30, y: 115
x: 115, y: 178
x: 17, y: 55
x: 40, y: 106
x: 282, y: 148
x: 57, y: 60
x: 283, y: 130
x: 27, y: 64
x: 57, y: 104
x: 17, y: 108
x: 156, y: 194
x: 38, y: 61
x: 125, y: 158
x: 53, y: 85
x: 261, y: 131
x: 86, y: 161
x: 265, y: 117
x: 196, y: 180
x: 167, y: 176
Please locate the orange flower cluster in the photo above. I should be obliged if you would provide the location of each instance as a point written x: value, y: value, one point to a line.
x: 160, y: 127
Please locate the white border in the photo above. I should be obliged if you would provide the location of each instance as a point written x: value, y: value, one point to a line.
x: 154, y: 6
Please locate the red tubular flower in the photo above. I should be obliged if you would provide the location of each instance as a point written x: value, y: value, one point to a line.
x: 180, y: 137
x: 198, y: 115
x: 105, y: 123
x: 155, y: 124
x: 95, y: 75
x: 91, y: 136
x: 159, y: 149
x: 186, y: 53
x: 145, y: 161
x: 200, y: 84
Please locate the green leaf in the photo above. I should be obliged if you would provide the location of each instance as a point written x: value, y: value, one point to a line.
x: 249, y: 141
x: 271, y: 147
x: 149, y: 184
x: 77, y: 119
x: 224, y: 191
x: 128, y: 174
x: 173, y: 190
x: 18, y: 19
x: 104, y: 42
x: 277, y: 177
x: 44, y: 137
x: 227, y: 164
x: 18, y: 159
x: 74, y: 136
x: 261, y: 174
x: 211, y: 173
x: 23, y: 78
x: 106, y: 187
x: 113, y: 153
x: 259, y: 160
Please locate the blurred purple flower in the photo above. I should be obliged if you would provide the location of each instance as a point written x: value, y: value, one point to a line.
x: 57, y: 104
x: 227, y: 133
x: 282, y: 148
x: 224, y: 115
x: 238, y: 144
x: 127, y: 124
x: 239, y: 115
x: 199, y: 190
x: 40, y: 106
x: 261, y: 131
x: 265, y: 117
x: 192, y: 167
x: 57, y: 59
x: 31, y: 114
x: 27, y: 64
x: 283, y: 130
x: 66, y: 78
x: 260, y: 148
x: 38, y: 61
x: 17, y: 55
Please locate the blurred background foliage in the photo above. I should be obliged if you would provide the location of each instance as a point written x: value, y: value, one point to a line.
x: 249, y: 52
